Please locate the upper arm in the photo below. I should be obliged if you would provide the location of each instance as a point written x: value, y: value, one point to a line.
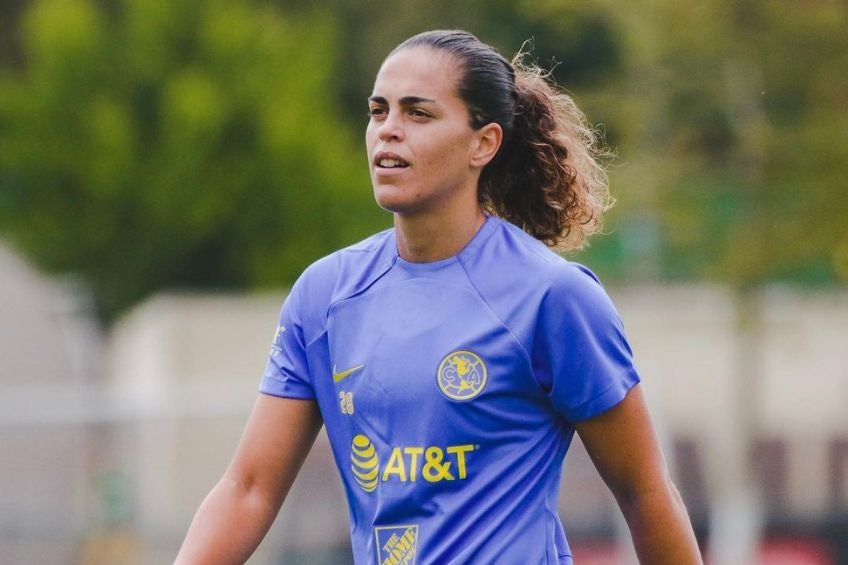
x: 278, y: 436
x: 581, y: 356
x: 624, y: 447
x: 285, y: 419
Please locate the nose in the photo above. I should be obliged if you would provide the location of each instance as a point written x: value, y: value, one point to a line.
x: 391, y: 129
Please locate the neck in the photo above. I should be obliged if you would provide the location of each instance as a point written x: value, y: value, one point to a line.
x: 423, y: 239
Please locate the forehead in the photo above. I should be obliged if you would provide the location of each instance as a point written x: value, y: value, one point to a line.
x: 417, y: 71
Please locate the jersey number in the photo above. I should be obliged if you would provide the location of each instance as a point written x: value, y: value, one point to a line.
x: 346, y: 402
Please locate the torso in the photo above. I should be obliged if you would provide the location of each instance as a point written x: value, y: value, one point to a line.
x: 448, y: 445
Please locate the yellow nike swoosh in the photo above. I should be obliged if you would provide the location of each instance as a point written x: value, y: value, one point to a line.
x: 339, y: 376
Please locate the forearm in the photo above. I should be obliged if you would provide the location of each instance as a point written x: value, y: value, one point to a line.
x: 228, y: 526
x: 236, y: 515
x: 660, y: 527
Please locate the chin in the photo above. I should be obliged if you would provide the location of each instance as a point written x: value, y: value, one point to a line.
x: 395, y: 200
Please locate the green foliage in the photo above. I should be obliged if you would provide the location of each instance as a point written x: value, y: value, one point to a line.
x: 177, y: 143
x: 729, y: 119
x: 148, y: 144
x: 578, y: 43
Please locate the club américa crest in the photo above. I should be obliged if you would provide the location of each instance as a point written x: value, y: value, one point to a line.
x: 462, y: 375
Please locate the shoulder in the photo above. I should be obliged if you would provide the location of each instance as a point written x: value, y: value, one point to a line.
x: 530, y: 287
x: 575, y: 297
x: 566, y: 289
x: 343, y: 273
x: 575, y: 282
x: 520, y: 255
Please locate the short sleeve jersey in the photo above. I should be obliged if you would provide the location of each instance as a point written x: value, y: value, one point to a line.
x: 450, y: 389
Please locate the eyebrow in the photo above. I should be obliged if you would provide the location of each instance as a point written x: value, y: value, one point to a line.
x: 405, y: 101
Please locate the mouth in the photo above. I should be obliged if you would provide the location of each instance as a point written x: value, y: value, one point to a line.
x: 384, y: 160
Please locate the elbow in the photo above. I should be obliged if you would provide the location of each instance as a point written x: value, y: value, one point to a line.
x: 647, y: 496
x: 247, y: 488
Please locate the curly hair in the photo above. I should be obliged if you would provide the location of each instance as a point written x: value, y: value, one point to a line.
x: 547, y: 176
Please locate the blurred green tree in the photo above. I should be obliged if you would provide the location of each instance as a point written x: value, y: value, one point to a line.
x: 730, y: 123
x: 166, y: 144
x: 731, y: 146
x: 150, y: 144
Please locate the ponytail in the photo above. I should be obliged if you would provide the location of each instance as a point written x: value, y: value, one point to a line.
x: 547, y: 177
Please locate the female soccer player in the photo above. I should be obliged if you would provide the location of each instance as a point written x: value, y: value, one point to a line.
x: 452, y: 357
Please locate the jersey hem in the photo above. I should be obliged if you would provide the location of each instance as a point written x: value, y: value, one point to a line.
x: 607, y: 399
x: 289, y: 393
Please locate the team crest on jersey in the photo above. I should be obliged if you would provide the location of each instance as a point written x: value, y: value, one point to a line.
x: 396, y: 544
x: 462, y: 375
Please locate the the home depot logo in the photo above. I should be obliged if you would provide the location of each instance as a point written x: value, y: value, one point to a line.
x: 396, y: 544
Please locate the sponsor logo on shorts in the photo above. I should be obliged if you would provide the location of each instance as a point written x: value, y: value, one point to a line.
x: 408, y: 464
x: 462, y: 375
x: 396, y: 544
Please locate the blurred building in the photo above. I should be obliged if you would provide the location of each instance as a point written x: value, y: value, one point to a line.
x: 106, y: 457
x: 186, y: 369
x: 50, y: 396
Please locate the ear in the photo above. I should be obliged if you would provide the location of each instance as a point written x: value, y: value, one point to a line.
x: 487, y: 141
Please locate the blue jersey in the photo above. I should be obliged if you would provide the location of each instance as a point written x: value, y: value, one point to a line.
x: 449, y: 390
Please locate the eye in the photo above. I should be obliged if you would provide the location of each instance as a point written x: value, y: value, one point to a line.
x: 419, y: 113
x: 376, y: 112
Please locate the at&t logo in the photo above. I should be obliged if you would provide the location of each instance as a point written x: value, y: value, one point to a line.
x: 364, y: 463
x: 407, y: 464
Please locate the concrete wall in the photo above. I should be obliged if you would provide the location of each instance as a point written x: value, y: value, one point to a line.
x: 187, y: 368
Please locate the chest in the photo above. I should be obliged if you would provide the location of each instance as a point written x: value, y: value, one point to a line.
x: 423, y: 356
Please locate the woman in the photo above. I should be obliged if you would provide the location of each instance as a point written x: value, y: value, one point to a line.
x: 452, y: 357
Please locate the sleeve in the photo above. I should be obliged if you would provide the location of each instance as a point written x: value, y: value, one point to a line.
x: 581, y: 356
x: 287, y: 369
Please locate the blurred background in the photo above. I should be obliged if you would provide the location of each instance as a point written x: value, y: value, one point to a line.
x: 167, y: 169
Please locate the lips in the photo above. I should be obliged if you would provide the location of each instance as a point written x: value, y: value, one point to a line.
x: 387, y: 160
